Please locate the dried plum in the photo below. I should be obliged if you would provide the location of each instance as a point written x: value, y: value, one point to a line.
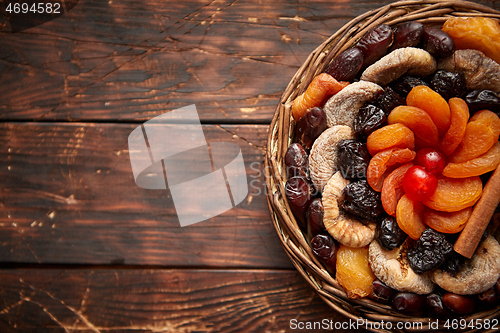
x: 429, y: 252
x: 310, y: 126
x: 483, y: 100
x: 449, y: 84
x: 389, y: 100
x: 407, y: 34
x: 360, y: 199
x: 453, y: 264
x: 368, y: 119
x: 406, y: 83
x: 437, y: 42
x: 296, y: 161
x: 346, y: 65
x: 375, y: 43
x: 353, y: 159
x: 389, y: 234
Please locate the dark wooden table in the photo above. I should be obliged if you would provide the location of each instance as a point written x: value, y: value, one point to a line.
x: 82, y: 247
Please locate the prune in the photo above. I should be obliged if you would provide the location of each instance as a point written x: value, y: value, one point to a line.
x: 459, y: 304
x: 314, y: 216
x: 360, y: 199
x: 388, y: 233
x: 381, y: 292
x: 353, y: 159
x: 453, y: 264
x: 346, y: 65
x: 369, y: 119
x: 407, y: 35
x: 296, y: 161
x: 409, y: 303
x: 449, y: 84
x: 375, y: 43
x: 325, y: 248
x: 483, y: 100
x: 435, y: 306
x: 310, y: 126
x: 429, y: 252
x: 389, y: 99
x: 406, y: 83
x: 437, y: 42
x: 299, y: 193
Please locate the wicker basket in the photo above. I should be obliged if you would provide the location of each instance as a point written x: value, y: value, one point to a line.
x: 280, y: 133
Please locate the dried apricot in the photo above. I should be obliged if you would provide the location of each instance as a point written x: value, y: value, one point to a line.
x: 379, y: 166
x: 481, y: 133
x: 353, y: 271
x: 447, y: 222
x: 409, y: 216
x: 319, y: 90
x: 478, y: 33
x: 395, y: 135
x: 454, y: 194
x: 419, y: 121
x: 431, y: 102
x: 459, y: 118
x: 392, y: 189
x: 475, y: 167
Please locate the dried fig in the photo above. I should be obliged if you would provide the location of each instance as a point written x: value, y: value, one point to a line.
x: 480, y: 71
x: 408, y: 60
x: 323, y: 156
x: 478, y: 274
x: 342, y: 108
x: 392, y: 268
x: 346, y: 229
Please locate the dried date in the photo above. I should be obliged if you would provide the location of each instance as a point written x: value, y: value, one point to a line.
x: 346, y: 65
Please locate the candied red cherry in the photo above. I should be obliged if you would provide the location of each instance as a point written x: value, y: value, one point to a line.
x: 433, y: 160
x: 419, y: 184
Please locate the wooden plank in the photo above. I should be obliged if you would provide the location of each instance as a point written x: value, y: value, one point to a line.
x: 131, y: 60
x: 68, y: 195
x: 160, y: 300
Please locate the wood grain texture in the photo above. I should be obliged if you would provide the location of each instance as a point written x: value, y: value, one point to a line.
x: 68, y: 195
x: 160, y: 300
x: 133, y: 60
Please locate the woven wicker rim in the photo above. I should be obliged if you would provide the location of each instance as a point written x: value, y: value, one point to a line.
x: 293, y: 240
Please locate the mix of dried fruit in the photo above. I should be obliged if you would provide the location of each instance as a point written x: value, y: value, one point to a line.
x: 394, y: 142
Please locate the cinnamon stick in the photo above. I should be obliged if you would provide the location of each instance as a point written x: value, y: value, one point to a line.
x: 471, y: 235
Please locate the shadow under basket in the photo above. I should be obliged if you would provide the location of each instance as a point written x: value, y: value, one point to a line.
x: 294, y: 241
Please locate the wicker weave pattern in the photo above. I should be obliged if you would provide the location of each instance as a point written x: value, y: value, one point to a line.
x: 292, y: 239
